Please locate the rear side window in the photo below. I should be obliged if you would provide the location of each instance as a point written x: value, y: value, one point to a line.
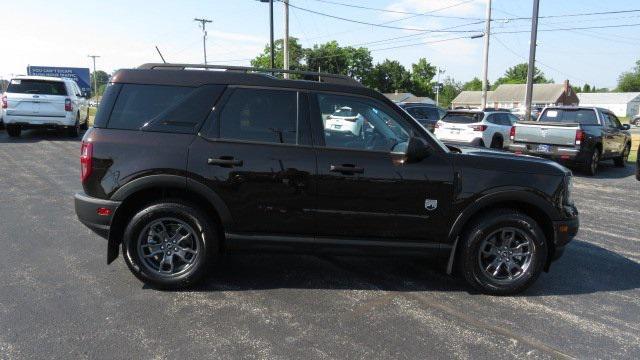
x: 424, y: 113
x: 40, y: 87
x: 463, y: 118
x: 580, y: 116
x: 261, y: 115
x: 139, y: 104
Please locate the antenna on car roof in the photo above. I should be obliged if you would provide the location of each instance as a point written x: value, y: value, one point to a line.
x: 159, y: 53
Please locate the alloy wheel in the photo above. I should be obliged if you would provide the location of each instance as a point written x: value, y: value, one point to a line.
x: 506, y: 255
x: 168, y: 247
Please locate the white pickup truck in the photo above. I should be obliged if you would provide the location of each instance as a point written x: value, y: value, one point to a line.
x: 45, y: 102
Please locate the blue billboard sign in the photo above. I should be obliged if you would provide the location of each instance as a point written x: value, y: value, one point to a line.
x: 80, y: 75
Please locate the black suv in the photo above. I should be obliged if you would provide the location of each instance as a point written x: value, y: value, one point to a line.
x: 183, y: 165
x: 426, y: 114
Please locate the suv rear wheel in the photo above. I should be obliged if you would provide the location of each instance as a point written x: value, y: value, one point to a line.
x: 13, y: 130
x: 497, y: 143
x: 170, y: 244
x: 503, y: 252
x: 74, y: 131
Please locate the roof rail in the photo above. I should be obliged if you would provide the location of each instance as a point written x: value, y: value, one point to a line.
x: 309, y: 75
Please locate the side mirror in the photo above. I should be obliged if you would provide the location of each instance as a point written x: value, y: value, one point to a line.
x: 626, y: 126
x: 416, y: 150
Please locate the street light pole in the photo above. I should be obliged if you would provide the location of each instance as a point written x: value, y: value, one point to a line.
x: 532, y: 59
x: 272, y: 62
x: 95, y: 79
x: 204, y: 23
x: 286, y: 37
x: 438, y: 87
x: 485, y: 65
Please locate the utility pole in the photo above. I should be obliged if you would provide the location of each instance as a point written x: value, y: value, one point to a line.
x: 286, y: 37
x: 438, y: 86
x: 95, y: 79
x: 485, y: 65
x: 532, y: 58
x: 203, y: 24
x: 271, y: 33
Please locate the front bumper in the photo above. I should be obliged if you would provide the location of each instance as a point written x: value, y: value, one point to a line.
x: 96, y: 214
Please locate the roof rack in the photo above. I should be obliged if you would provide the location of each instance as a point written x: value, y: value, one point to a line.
x: 309, y: 75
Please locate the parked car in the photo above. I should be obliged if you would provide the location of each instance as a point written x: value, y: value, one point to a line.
x: 38, y: 101
x: 426, y: 114
x: 576, y: 136
x: 344, y: 120
x: 635, y: 121
x: 488, y: 128
x: 638, y: 163
x: 181, y: 167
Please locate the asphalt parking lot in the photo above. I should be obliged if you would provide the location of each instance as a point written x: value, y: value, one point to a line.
x: 59, y: 299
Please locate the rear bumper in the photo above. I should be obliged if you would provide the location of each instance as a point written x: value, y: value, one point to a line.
x: 87, y: 212
x: 40, y: 121
x: 566, y: 154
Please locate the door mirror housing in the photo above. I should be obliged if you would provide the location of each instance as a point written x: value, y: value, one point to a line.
x: 417, y: 150
x: 626, y: 126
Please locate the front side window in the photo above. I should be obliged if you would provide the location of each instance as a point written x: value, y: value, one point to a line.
x: 356, y: 123
x: 260, y: 115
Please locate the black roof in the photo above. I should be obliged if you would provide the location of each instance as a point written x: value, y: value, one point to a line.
x: 183, y: 75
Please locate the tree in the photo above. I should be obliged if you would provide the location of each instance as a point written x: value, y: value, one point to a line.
x: 630, y: 81
x: 330, y: 57
x: 296, y: 54
x: 421, y: 78
x: 518, y: 75
x: 586, y: 88
x: 390, y: 76
x: 450, y: 90
x: 102, y: 78
x: 474, y: 84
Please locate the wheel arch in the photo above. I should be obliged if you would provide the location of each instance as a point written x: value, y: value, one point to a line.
x: 534, y: 206
x: 145, y: 190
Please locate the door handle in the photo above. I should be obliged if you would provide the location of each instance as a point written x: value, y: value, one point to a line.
x: 346, y: 169
x: 225, y: 161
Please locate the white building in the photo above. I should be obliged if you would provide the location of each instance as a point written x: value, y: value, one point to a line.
x: 621, y: 103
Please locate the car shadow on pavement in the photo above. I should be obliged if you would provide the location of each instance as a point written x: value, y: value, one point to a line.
x: 37, y: 135
x: 609, y: 171
x: 585, y: 268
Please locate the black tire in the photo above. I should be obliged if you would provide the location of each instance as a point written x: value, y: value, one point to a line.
x: 14, y: 130
x: 204, y: 239
x: 497, y: 143
x: 471, y: 253
x: 591, y: 166
x: 74, y: 131
x: 621, y: 160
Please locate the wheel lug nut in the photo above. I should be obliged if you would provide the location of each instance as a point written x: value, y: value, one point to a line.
x: 175, y: 249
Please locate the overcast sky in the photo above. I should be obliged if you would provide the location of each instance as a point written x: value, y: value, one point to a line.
x: 124, y: 33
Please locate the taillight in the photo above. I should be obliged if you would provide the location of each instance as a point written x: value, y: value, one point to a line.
x: 68, y: 105
x: 512, y: 133
x: 5, y: 104
x: 579, y: 137
x: 478, y: 127
x: 86, y: 160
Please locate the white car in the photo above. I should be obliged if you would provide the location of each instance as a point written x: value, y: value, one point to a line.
x: 345, y: 120
x: 489, y: 128
x: 47, y: 102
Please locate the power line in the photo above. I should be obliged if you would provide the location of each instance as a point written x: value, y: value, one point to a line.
x: 571, y: 29
x: 404, y: 12
x: 378, y: 25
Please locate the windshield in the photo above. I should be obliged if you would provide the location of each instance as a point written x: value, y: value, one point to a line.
x: 41, y: 87
x: 463, y: 118
x: 580, y: 116
x: 344, y: 112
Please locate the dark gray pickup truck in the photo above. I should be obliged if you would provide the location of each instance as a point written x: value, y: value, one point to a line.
x: 579, y: 136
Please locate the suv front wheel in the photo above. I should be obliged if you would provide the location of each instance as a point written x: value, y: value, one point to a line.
x: 13, y: 130
x: 170, y: 244
x: 503, y: 252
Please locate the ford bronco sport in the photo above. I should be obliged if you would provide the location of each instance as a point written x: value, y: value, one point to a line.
x: 188, y: 162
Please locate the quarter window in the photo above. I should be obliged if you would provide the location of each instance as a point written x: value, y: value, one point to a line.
x: 261, y: 115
